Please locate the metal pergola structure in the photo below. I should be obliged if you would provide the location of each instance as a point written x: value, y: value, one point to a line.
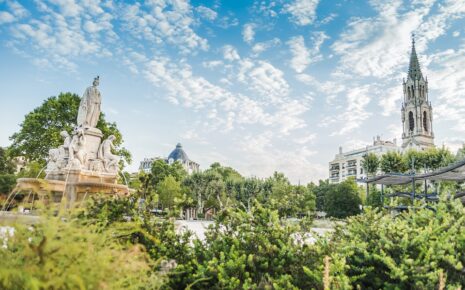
x: 454, y: 172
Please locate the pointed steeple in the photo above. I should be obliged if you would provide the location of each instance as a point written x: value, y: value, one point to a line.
x: 414, y: 71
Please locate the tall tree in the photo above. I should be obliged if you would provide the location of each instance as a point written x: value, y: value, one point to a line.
x: 343, y: 200
x: 435, y: 158
x: 169, y: 189
x: 370, y: 163
x: 228, y: 173
x: 6, y: 165
x: 160, y: 170
x: 41, y: 128
x: 392, y: 162
x: 414, y: 160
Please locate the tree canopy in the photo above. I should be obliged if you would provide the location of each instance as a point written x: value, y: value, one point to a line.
x: 40, y: 129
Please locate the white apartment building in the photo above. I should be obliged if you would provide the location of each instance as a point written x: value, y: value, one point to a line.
x: 349, y: 164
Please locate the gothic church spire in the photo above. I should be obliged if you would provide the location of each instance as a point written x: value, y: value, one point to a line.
x: 414, y: 71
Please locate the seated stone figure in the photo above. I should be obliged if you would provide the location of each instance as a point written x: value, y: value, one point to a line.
x: 58, y: 157
x: 110, y: 160
x: 77, y: 152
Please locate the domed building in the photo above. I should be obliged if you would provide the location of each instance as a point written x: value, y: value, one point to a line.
x: 178, y: 154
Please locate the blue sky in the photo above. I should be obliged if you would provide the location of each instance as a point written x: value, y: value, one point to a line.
x: 256, y: 85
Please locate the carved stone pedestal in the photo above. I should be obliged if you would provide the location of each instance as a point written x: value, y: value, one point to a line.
x: 93, y: 139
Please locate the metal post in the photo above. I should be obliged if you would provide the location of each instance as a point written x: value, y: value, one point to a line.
x: 426, y: 189
x: 382, y: 194
x: 413, y: 188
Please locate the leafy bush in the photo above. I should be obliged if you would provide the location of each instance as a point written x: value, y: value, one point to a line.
x: 409, y: 251
x: 343, y: 200
x: 60, y: 254
x: 7, y: 183
x: 251, y: 250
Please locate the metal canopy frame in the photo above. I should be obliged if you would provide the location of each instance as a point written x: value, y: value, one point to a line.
x: 453, y: 172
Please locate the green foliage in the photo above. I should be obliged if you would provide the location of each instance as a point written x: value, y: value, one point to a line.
x: 41, y: 128
x: 370, y: 163
x: 7, y: 183
x: 207, y: 189
x: 62, y: 254
x: 408, y: 251
x: 6, y: 164
x: 33, y: 169
x: 414, y: 159
x: 227, y: 173
x: 435, y: 158
x: 391, y: 162
x: 320, y: 193
x: 250, y: 250
x: 343, y: 200
x: 169, y: 192
x: 374, y: 197
x: 160, y: 170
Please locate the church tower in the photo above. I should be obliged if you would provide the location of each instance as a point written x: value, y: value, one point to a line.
x: 417, y: 113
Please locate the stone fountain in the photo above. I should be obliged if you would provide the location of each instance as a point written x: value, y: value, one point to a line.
x: 84, y: 164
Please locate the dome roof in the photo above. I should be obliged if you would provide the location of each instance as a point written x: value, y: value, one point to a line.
x: 178, y: 154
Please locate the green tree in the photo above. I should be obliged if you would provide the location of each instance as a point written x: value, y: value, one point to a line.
x: 62, y: 254
x: 226, y: 172
x: 409, y: 251
x: 374, y: 197
x: 7, y: 178
x: 391, y: 162
x: 251, y: 250
x: 160, y: 170
x: 207, y: 189
x: 169, y: 191
x: 414, y: 159
x: 343, y: 201
x: 370, y: 163
x: 305, y: 200
x: 323, y: 188
x: 41, y: 128
x: 6, y: 164
x: 435, y: 158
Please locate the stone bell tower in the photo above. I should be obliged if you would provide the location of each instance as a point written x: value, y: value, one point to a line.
x: 417, y: 113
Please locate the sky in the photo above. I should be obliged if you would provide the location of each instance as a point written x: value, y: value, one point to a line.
x: 261, y: 86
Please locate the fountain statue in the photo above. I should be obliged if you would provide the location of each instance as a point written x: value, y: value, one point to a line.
x: 84, y: 164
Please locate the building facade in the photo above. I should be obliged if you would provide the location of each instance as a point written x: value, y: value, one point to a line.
x: 178, y: 154
x: 349, y: 164
x: 417, y: 127
x: 417, y: 112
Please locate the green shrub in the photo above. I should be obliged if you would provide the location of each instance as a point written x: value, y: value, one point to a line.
x: 408, y: 251
x: 60, y: 254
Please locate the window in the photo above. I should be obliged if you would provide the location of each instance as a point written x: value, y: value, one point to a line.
x: 425, y: 123
x: 411, y: 123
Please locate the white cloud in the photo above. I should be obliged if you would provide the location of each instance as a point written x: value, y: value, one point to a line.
x: 230, y: 53
x: 165, y: 20
x: 300, y: 54
x: 6, y: 17
x: 263, y: 78
x: 248, y: 32
x: 448, y: 87
x: 390, y: 100
x: 353, y: 117
x: 365, y: 51
x: 303, y: 56
x: 206, y: 13
x: 263, y: 159
x: 303, y: 12
x: 17, y: 9
x: 212, y: 64
x: 260, y: 47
